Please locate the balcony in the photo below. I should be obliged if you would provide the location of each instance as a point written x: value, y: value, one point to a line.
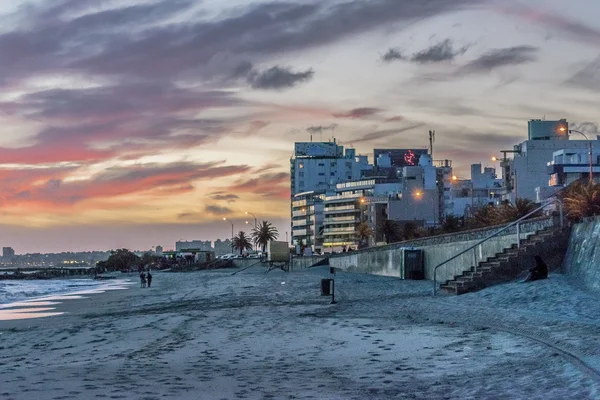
x: 302, y: 232
x: 302, y: 222
x: 343, y: 209
x: 347, y: 229
x: 339, y: 220
x: 301, y: 213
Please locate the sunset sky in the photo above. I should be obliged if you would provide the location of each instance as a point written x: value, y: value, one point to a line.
x: 134, y: 123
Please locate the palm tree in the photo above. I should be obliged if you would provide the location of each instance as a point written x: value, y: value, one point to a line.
x: 263, y: 233
x: 509, y: 212
x: 581, y: 200
x: 241, y: 242
x: 363, y: 233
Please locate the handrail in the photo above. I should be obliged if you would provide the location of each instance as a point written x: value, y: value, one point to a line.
x: 544, y: 205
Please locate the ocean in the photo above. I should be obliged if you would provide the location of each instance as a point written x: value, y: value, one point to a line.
x: 11, y: 291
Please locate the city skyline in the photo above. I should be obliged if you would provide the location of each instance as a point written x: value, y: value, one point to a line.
x: 138, y: 123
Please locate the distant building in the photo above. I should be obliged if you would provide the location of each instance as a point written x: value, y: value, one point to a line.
x: 223, y: 247
x: 540, y: 156
x: 193, y: 244
x: 8, y: 253
x: 159, y: 250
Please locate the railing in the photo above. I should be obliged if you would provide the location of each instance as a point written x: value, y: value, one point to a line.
x: 518, y: 225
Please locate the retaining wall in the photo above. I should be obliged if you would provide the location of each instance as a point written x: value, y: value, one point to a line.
x: 387, y: 260
x: 582, y: 261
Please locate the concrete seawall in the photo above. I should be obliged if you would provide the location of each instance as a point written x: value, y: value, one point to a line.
x: 582, y: 261
x: 297, y: 263
x: 387, y: 260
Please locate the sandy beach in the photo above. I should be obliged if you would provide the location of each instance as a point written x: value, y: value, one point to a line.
x: 211, y: 335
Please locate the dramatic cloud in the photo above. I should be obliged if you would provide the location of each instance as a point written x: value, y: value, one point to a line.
x: 267, y: 184
x: 393, y: 55
x: 500, y: 58
x: 230, y: 198
x: 588, y: 77
x: 443, y: 51
x: 561, y: 23
x: 217, y: 210
x: 134, y: 118
x: 51, y: 187
x: 359, y: 113
x: 278, y: 78
x: 382, y: 134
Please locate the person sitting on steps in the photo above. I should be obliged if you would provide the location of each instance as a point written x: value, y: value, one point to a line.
x: 540, y: 271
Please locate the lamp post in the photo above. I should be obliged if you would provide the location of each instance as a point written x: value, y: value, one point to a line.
x: 456, y: 178
x: 249, y: 213
x: 231, y: 222
x: 563, y: 129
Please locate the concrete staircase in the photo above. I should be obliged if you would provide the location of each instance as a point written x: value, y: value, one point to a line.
x: 551, y: 244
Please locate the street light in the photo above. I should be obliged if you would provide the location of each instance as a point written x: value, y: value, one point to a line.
x: 231, y: 222
x: 455, y: 180
x: 249, y: 213
x: 563, y: 129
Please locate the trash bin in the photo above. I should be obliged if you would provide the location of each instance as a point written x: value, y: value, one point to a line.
x: 325, y: 287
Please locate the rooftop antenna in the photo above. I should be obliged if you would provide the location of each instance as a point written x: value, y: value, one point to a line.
x: 431, y: 142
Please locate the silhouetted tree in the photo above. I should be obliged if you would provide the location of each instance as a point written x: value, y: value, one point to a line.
x: 241, y: 242
x: 264, y: 233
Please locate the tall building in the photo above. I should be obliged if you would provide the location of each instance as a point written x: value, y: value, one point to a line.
x: 159, y: 250
x: 8, y: 253
x: 319, y: 166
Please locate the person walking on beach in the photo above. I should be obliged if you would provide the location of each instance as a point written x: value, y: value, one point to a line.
x: 149, y: 279
x: 142, y: 280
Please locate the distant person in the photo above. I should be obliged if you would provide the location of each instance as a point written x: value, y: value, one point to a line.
x: 149, y: 279
x: 142, y: 280
x: 539, y: 271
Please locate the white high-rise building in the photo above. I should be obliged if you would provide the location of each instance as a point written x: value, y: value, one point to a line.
x: 319, y: 166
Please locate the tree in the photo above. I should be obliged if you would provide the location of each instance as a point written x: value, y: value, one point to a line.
x: 241, y: 242
x: 120, y: 260
x: 363, y: 233
x: 410, y: 231
x: 149, y: 259
x: 391, y: 231
x: 581, y: 200
x: 263, y: 234
x: 509, y: 212
x: 483, y: 217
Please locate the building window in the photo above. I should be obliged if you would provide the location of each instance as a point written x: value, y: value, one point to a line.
x: 301, y: 174
x: 333, y: 174
x: 321, y: 173
x: 321, y: 164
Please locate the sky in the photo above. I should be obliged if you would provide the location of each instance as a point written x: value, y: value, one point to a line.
x: 132, y: 123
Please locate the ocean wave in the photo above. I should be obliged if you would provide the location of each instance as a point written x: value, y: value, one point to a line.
x: 11, y: 291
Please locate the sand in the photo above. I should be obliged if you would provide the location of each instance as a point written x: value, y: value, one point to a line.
x: 210, y: 335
